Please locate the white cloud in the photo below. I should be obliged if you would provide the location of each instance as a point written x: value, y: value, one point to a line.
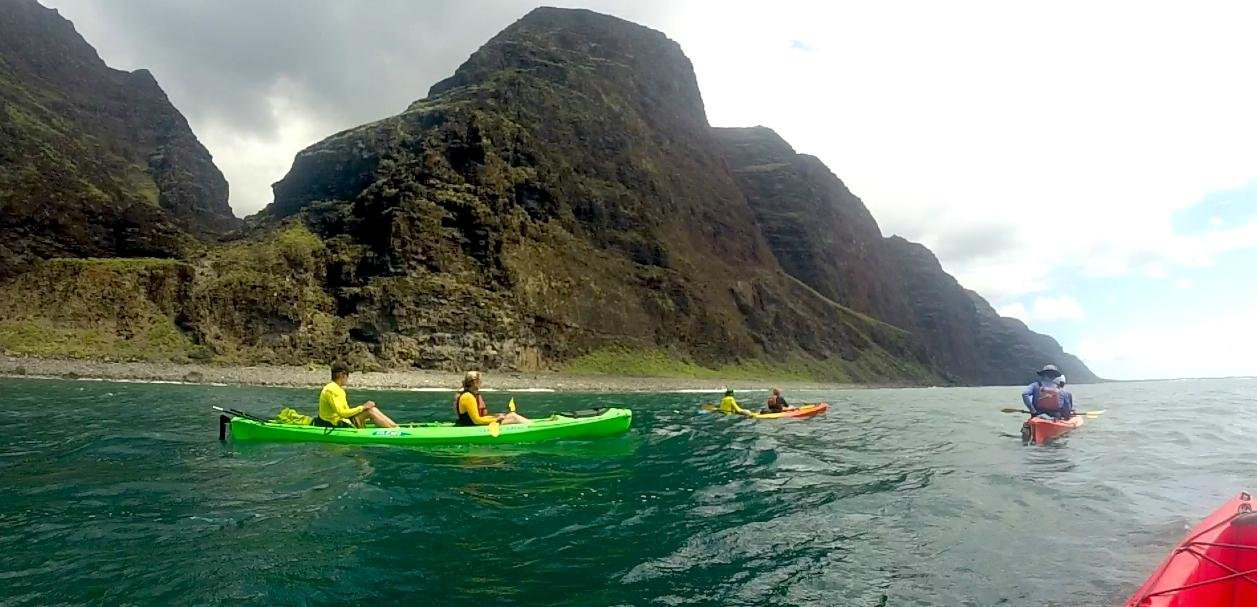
x: 1184, y: 283
x: 1045, y: 309
x: 1014, y: 310
x: 1216, y: 221
x: 1204, y: 348
x: 975, y: 115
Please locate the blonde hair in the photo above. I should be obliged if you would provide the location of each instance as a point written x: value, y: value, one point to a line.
x: 470, y: 378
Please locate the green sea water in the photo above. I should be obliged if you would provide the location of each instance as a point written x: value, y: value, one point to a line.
x: 121, y: 494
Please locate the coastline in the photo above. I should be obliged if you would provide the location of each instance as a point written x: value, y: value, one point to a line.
x: 414, y: 379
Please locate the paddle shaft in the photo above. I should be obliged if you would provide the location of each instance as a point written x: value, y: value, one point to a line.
x: 1025, y: 412
x: 239, y: 413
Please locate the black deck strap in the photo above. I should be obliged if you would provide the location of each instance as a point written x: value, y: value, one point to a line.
x: 223, y: 422
x: 585, y: 412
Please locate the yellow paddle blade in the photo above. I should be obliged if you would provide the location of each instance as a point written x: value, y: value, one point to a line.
x: 1008, y: 410
x: 709, y: 407
x: 494, y: 428
x: 511, y: 405
x: 1095, y: 413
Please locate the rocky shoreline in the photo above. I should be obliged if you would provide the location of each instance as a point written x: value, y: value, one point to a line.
x: 303, y: 377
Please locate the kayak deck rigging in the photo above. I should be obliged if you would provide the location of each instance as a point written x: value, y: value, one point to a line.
x: 1215, y: 566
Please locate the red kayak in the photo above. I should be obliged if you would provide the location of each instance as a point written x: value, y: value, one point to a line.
x: 1214, y: 566
x: 1039, y: 431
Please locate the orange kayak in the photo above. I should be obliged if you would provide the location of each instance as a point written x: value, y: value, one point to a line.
x: 1039, y: 431
x: 1214, y: 566
x: 802, y: 411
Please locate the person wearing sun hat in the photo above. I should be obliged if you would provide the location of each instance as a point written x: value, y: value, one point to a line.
x: 1043, y: 397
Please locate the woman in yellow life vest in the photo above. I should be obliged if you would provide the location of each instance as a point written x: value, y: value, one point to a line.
x: 334, y: 409
x: 729, y: 405
x: 470, y: 407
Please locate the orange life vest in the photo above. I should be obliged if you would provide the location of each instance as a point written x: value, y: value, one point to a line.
x: 1048, y: 399
x: 465, y: 419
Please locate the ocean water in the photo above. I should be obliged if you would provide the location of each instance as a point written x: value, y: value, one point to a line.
x: 121, y: 494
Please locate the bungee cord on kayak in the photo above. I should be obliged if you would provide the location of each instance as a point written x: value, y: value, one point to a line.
x: 1214, y: 566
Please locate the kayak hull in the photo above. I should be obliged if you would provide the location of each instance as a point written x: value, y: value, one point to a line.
x: 1202, y: 569
x: 800, y: 412
x: 609, y: 423
x: 803, y: 411
x: 1039, y: 431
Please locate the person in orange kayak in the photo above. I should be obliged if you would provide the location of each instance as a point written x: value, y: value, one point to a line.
x: 1067, y: 398
x: 1043, y: 397
x: 776, y: 402
x: 334, y: 409
x: 470, y: 407
x: 729, y: 405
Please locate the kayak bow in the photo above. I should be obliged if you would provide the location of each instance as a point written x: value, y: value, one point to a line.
x: 1214, y: 566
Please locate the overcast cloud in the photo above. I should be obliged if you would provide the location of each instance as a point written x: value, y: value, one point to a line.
x: 1028, y: 144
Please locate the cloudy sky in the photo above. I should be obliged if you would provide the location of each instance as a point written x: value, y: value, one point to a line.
x: 1090, y: 168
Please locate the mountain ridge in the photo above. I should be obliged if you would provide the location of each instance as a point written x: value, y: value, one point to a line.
x: 559, y: 199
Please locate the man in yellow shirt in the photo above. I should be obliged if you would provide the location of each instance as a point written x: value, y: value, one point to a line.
x: 729, y: 405
x: 334, y: 409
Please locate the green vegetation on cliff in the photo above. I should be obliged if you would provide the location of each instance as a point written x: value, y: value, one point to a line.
x: 110, y: 309
x: 559, y: 203
x: 93, y: 161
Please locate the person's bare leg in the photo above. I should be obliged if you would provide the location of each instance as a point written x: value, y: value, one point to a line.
x: 381, y: 420
x: 514, y: 418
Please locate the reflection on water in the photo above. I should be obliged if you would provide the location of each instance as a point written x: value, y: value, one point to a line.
x: 894, y: 497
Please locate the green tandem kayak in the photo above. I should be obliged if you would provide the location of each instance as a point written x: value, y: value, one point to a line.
x: 596, y: 424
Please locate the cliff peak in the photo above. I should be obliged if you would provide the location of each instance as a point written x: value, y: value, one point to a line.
x: 577, y: 48
x: 94, y: 161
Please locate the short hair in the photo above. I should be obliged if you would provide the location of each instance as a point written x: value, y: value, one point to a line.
x: 339, y: 368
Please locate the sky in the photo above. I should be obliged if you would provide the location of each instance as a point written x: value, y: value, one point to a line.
x: 1089, y: 168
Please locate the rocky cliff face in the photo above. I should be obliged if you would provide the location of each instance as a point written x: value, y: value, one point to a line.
x: 560, y: 200
x: 93, y: 161
x: 824, y: 236
x: 567, y: 178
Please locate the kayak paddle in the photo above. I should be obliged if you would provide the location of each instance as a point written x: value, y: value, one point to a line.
x: 1090, y: 414
x: 495, y: 428
x: 239, y: 413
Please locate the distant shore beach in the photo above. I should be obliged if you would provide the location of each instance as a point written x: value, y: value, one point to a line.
x: 299, y: 377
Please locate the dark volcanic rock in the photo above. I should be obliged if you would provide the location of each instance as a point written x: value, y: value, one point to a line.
x: 561, y: 194
x: 93, y: 161
x: 565, y: 178
x: 819, y: 231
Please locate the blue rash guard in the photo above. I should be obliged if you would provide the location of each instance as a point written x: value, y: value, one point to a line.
x: 1031, y: 393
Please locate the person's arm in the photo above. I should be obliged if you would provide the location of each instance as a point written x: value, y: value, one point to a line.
x: 1067, y: 403
x: 781, y: 400
x: 739, y: 409
x: 343, y: 410
x: 467, y: 402
x: 1027, y: 397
